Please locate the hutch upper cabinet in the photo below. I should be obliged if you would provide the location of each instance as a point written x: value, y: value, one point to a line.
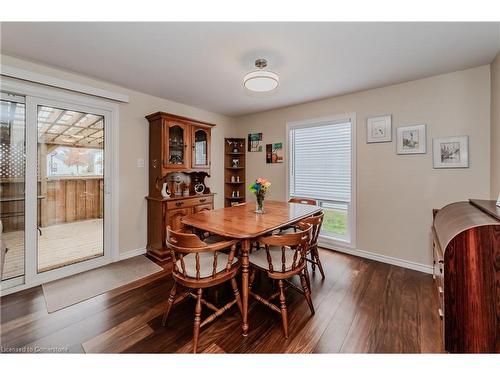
x: 179, y: 162
x: 176, y: 144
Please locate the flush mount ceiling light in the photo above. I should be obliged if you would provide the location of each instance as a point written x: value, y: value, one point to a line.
x: 261, y: 80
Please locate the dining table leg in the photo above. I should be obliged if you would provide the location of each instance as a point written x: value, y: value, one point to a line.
x: 245, y: 248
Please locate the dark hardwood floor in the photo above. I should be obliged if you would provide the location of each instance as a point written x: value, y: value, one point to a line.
x: 362, y: 307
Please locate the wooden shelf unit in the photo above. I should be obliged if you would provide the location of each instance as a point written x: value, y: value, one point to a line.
x: 179, y: 153
x: 230, y: 144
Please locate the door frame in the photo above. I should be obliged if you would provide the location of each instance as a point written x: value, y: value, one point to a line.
x: 36, y: 94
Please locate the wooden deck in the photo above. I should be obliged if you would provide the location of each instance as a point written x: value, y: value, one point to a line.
x: 59, y: 245
x: 363, y: 306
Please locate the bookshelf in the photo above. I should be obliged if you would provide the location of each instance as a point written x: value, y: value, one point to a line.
x: 234, y: 171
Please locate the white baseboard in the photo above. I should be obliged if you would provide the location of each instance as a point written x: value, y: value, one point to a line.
x: 131, y: 253
x: 382, y: 258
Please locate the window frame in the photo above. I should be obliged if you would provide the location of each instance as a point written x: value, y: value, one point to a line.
x: 349, y: 241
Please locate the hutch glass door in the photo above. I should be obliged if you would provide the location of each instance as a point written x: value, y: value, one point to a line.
x: 177, y: 145
x: 200, y: 148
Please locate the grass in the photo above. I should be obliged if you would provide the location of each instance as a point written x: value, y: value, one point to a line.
x: 335, y: 222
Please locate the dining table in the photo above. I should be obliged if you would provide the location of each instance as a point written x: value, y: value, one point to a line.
x: 241, y: 222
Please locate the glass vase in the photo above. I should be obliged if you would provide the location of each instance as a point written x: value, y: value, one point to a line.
x: 259, y: 205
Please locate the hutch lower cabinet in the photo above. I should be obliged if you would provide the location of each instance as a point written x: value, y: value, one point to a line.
x: 169, y: 212
x: 467, y: 274
x: 179, y: 162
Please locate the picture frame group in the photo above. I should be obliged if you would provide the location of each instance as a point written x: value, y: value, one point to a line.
x: 447, y: 152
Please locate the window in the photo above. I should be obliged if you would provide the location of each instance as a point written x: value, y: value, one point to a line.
x: 75, y: 161
x: 320, y: 166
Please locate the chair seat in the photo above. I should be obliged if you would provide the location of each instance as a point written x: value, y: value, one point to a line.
x: 286, y: 230
x: 206, y: 264
x: 259, y: 258
x: 213, y: 238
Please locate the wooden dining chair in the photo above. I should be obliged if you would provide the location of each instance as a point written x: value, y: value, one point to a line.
x: 282, y: 257
x: 309, y: 201
x: 198, y: 266
x: 316, y: 222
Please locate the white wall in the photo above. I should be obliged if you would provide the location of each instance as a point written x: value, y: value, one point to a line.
x: 495, y: 127
x: 396, y: 193
x: 133, y: 144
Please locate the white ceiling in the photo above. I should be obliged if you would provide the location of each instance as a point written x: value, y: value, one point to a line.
x: 202, y: 64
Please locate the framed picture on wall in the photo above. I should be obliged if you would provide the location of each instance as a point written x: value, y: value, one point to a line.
x: 274, y: 153
x: 379, y: 129
x: 451, y: 152
x: 412, y: 140
x: 254, y: 142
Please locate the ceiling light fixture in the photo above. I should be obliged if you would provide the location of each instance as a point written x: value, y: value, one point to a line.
x: 261, y: 80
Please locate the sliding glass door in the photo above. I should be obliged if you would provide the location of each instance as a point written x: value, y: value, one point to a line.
x: 54, y: 188
x: 12, y: 187
x: 70, y: 185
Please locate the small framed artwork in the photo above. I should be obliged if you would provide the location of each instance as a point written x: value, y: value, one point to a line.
x: 412, y: 139
x: 254, y: 142
x: 451, y: 152
x: 274, y: 153
x: 379, y: 129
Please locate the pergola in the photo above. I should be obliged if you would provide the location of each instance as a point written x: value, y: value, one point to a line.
x: 62, y: 127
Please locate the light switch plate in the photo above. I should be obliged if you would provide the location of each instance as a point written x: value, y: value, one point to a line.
x: 140, y: 163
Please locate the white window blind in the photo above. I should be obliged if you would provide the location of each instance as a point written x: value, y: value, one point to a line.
x: 320, y: 161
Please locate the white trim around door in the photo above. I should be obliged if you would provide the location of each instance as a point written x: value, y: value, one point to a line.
x: 26, y: 75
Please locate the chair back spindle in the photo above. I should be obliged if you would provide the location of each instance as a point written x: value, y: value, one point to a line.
x: 292, y: 245
x: 185, y: 246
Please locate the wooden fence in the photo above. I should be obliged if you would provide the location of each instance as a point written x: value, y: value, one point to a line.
x: 60, y: 201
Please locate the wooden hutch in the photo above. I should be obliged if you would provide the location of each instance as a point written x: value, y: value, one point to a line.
x: 234, y: 171
x: 466, y: 250
x: 179, y: 162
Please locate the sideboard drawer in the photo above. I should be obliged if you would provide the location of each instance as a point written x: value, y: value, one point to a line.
x: 189, y: 202
x: 174, y: 217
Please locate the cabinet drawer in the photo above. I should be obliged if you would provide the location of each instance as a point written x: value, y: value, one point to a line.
x: 189, y: 202
x: 174, y: 217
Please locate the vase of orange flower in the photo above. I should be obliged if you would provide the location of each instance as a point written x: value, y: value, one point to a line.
x: 260, y: 188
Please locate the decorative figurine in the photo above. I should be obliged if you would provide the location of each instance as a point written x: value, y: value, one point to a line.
x: 164, y: 191
x: 199, y: 188
x: 177, y: 186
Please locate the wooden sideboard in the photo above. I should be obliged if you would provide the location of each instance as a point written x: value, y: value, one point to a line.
x: 179, y: 156
x: 466, y: 251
